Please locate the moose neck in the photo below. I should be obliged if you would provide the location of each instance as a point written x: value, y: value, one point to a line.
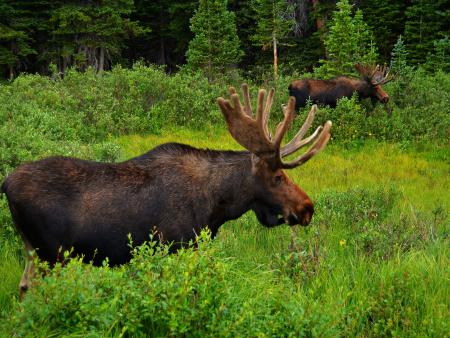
x: 363, y: 87
x: 231, y: 187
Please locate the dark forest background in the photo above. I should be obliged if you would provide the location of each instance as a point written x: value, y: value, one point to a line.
x: 37, y: 35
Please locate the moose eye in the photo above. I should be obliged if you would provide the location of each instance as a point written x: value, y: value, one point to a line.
x: 278, y: 179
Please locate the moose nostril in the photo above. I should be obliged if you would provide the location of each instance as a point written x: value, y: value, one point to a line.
x: 293, y: 219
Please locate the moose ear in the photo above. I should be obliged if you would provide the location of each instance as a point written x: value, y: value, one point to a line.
x: 361, y: 70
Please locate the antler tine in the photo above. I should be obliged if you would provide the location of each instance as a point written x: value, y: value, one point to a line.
x: 297, y: 141
x: 318, y: 145
x: 247, y: 104
x: 375, y: 70
x: 262, y: 115
x: 267, y: 109
x: 289, y: 114
x: 385, y: 77
x: 247, y: 131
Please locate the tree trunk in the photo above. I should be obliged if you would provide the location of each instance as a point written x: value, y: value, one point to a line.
x: 11, y: 72
x: 162, y: 45
x: 210, y: 77
x: 275, y: 58
x: 63, y: 65
x: 101, y: 60
x: 319, y: 21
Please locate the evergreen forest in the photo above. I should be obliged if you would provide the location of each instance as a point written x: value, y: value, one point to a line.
x: 37, y: 36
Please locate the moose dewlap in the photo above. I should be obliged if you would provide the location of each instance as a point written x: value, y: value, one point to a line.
x: 62, y: 203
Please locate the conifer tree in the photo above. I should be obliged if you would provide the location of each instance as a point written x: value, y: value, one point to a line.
x: 90, y: 34
x: 274, y: 21
x: 347, y: 42
x: 427, y: 21
x: 386, y: 18
x: 439, y: 59
x: 15, y: 40
x: 215, y: 46
x: 398, y: 56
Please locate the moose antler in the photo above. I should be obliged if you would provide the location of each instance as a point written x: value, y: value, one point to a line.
x: 253, y: 133
x: 378, y: 75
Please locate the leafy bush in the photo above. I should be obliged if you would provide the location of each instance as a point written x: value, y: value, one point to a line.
x: 157, y: 294
x: 372, y: 226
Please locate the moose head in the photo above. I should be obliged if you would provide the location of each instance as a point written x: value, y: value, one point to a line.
x: 375, y: 77
x: 276, y: 194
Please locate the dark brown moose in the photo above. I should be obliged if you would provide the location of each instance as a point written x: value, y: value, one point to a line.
x: 62, y: 203
x: 327, y: 92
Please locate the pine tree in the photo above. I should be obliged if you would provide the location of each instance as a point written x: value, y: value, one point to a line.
x: 215, y: 46
x: 91, y: 34
x: 274, y: 21
x: 398, y: 56
x: 347, y: 42
x: 427, y: 21
x: 439, y: 59
x: 246, y: 26
x: 15, y: 39
x: 386, y: 18
x: 168, y: 22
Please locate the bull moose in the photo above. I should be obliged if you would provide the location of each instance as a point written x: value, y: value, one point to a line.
x: 327, y: 92
x: 62, y: 203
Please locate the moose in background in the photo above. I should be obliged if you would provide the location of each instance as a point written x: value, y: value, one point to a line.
x: 327, y: 92
x: 62, y: 203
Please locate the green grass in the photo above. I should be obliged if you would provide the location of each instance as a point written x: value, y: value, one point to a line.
x: 374, y: 261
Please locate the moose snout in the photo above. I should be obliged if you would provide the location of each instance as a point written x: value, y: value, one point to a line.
x: 385, y: 99
x: 302, y: 215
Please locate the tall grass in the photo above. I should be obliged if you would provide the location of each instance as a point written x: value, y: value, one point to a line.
x: 371, y: 263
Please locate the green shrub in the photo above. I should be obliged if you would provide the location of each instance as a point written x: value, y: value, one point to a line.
x: 157, y: 294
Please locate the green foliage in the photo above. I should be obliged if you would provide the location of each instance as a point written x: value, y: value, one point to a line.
x: 274, y: 22
x: 156, y: 294
x: 386, y: 19
x: 37, y: 33
x: 399, y: 56
x: 347, y: 42
x: 427, y: 21
x: 168, y: 34
x: 215, y: 46
x: 418, y: 110
x: 439, y: 59
x: 90, y: 34
x: 373, y: 231
x: 15, y: 40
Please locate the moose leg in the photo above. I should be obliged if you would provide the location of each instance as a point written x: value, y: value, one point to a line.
x: 28, y: 272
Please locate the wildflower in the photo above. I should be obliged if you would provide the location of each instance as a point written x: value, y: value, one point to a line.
x: 342, y: 242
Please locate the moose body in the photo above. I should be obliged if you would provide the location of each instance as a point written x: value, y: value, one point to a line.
x: 328, y: 92
x: 63, y: 203
x: 174, y: 190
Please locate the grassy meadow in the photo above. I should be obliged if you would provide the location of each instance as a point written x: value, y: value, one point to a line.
x: 373, y: 262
